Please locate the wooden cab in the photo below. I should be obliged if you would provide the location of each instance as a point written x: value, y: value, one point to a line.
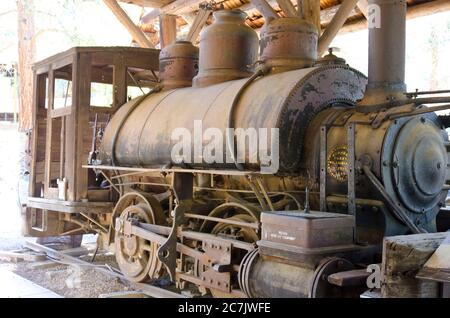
x: 75, y: 94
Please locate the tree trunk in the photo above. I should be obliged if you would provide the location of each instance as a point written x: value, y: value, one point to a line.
x: 27, y: 51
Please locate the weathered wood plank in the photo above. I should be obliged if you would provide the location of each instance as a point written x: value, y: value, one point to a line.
x: 24, y: 256
x: 124, y: 294
x: 403, y: 257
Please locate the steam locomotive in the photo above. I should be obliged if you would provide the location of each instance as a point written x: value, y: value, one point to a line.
x: 359, y: 159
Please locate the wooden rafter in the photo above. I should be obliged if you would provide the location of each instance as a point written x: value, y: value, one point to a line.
x: 416, y: 11
x: 335, y: 25
x: 287, y: 7
x: 311, y: 12
x: 132, y: 28
x: 266, y: 9
x: 199, y: 23
x: 363, y: 6
x: 148, y: 3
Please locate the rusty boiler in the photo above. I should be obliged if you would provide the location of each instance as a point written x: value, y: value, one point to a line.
x: 288, y: 43
x: 228, y: 49
x: 178, y: 64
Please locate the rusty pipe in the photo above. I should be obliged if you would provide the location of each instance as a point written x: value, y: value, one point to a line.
x: 387, y: 32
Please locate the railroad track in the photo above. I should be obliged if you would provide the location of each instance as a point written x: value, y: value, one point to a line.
x: 37, y: 252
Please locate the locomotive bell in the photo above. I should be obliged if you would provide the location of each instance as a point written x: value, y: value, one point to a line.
x: 178, y: 64
x: 228, y: 49
x: 288, y: 43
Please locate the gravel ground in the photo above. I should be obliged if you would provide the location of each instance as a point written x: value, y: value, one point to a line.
x: 72, y: 281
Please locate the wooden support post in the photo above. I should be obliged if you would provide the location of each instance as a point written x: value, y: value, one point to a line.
x: 197, y: 25
x: 49, y: 132
x: 336, y: 23
x: 134, y: 30
x: 71, y: 130
x: 287, y: 7
x: 266, y: 10
x: 311, y: 12
x: 119, y: 82
x: 82, y: 104
x: 167, y: 29
x: 403, y: 257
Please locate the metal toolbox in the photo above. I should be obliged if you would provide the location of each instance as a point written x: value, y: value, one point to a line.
x: 307, y: 230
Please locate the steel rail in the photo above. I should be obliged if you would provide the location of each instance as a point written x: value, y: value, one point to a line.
x: 149, y: 290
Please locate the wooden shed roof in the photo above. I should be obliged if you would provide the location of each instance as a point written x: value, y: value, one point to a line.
x: 255, y: 19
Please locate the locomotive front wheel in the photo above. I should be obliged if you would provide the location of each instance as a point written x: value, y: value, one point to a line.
x: 137, y: 257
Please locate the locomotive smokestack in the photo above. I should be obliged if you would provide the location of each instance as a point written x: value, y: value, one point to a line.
x: 387, y: 30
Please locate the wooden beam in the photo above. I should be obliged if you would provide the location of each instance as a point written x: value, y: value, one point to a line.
x: 311, y: 12
x: 189, y: 18
x: 198, y: 24
x: 167, y: 29
x: 266, y: 9
x: 403, y: 256
x: 177, y: 7
x: 148, y: 3
x: 287, y: 7
x: 134, y: 30
x: 416, y: 11
x: 363, y: 6
x: 335, y: 25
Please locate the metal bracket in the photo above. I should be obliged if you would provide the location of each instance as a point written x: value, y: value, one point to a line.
x: 351, y: 193
x: 167, y: 253
x: 323, y: 168
x: 183, y: 191
x: 218, y: 274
